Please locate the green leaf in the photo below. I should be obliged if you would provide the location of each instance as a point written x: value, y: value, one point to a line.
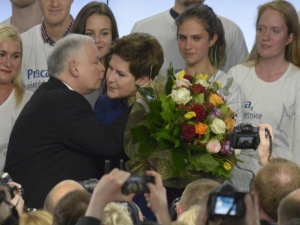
x: 167, y: 116
x: 146, y: 148
x: 199, y: 99
x: 179, y: 159
x: 162, y: 134
x: 170, y: 79
x: 225, y: 90
x: 146, y: 92
x: 204, y: 162
x: 140, y: 133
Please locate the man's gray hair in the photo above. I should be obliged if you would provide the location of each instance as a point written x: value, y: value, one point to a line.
x: 63, y: 50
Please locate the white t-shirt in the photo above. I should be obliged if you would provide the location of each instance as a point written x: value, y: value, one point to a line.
x: 34, y: 64
x: 8, y: 115
x: 163, y: 27
x: 276, y: 103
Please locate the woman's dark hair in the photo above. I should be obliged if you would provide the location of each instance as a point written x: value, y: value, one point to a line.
x: 213, y: 25
x: 95, y: 8
x: 143, y: 52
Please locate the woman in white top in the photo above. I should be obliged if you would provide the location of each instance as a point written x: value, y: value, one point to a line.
x: 201, y: 41
x: 12, y: 95
x: 268, y: 84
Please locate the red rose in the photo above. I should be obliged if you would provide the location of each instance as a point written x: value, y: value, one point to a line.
x: 188, y: 77
x: 197, y: 89
x: 188, y: 131
x: 200, y: 112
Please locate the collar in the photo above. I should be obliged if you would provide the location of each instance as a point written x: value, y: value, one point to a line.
x: 47, y: 38
x: 174, y: 14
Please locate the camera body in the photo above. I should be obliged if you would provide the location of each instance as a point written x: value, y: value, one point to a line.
x: 89, y: 185
x: 244, y: 136
x: 137, y: 184
x: 4, y: 179
x: 226, y: 202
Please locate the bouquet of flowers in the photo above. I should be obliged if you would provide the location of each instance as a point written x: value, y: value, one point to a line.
x: 192, y: 122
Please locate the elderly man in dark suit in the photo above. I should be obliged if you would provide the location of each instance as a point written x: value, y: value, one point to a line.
x: 56, y: 136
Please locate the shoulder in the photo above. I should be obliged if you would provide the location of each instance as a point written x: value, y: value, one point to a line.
x: 142, y: 25
x: 32, y: 32
x: 227, y: 23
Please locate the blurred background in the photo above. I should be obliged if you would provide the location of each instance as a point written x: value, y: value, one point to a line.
x: 127, y: 12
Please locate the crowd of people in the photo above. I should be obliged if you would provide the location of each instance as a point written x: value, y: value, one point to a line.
x: 69, y: 100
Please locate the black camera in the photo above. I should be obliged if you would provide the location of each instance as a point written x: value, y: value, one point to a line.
x: 4, y: 179
x: 137, y: 184
x: 89, y: 185
x: 226, y: 202
x: 244, y: 136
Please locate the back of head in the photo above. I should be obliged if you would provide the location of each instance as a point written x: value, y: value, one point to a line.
x: 288, y: 13
x: 116, y: 214
x: 275, y: 181
x: 58, y: 191
x: 289, y: 210
x: 36, y: 218
x: 10, y: 33
x: 71, y: 207
x: 64, y: 50
x: 143, y: 52
x: 190, y: 216
x: 213, y: 26
x: 195, y: 191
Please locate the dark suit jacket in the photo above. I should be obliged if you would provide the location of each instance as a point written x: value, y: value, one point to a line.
x: 57, y: 137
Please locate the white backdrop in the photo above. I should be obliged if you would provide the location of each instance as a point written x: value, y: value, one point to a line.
x: 128, y: 11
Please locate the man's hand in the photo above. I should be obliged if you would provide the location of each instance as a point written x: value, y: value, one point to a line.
x: 108, y: 190
x: 157, y: 199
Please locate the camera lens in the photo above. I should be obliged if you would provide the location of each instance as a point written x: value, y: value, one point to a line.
x: 5, y: 178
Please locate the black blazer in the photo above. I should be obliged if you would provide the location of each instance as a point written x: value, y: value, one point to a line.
x: 57, y: 137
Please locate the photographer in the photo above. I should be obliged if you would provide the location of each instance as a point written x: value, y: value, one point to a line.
x: 208, y: 214
x: 109, y: 189
x: 256, y: 146
x: 10, y: 209
x: 263, y: 149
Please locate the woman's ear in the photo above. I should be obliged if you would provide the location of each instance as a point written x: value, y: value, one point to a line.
x: 213, y: 40
x: 142, y: 80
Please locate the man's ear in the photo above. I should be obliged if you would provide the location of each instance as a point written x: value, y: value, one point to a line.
x: 73, y: 69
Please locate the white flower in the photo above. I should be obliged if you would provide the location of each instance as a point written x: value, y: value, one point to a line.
x: 202, y: 82
x: 218, y: 126
x: 237, y: 151
x: 213, y: 146
x: 182, y: 83
x: 181, y: 96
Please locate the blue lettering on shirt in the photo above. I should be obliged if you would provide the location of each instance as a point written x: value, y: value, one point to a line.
x: 32, y: 74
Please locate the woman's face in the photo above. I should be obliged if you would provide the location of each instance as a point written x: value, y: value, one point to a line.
x: 99, y: 27
x: 10, y: 61
x: 194, y: 41
x: 272, y: 35
x: 120, y: 81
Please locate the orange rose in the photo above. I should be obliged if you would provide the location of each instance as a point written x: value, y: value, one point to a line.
x: 201, y: 128
x: 215, y: 99
x: 229, y: 123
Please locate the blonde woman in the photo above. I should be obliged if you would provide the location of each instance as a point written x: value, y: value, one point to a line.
x: 36, y: 218
x: 12, y: 95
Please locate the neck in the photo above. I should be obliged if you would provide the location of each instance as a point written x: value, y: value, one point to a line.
x: 205, y: 68
x: 57, y: 31
x: 179, y: 8
x: 5, y: 91
x: 271, y: 69
x: 30, y: 14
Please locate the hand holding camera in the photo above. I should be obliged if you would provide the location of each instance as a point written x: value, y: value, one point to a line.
x: 260, y: 138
